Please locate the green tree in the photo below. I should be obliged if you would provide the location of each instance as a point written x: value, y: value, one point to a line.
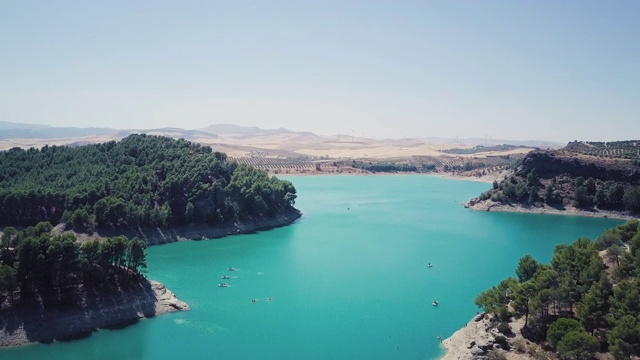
x: 631, y: 198
x: 625, y: 300
x: 578, y: 345
x: 582, y: 197
x: 628, y: 230
x: 594, y: 307
x: 522, y: 297
x: 615, y: 194
x: 136, y: 255
x: 532, y: 178
x: 548, y: 194
x: 527, y: 267
x: 188, y: 212
x: 607, y: 238
x: 560, y: 328
x: 8, y: 281
x: 590, y: 184
x: 624, y: 338
x: 600, y: 198
x: 8, y: 237
x: 91, y: 252
x: 614, y: 252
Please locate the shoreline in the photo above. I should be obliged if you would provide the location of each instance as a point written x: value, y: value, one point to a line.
x: 479, y: 336
x: 488, y: 178
x: 27, y: 324
x: 22, y: 324
x: 489, y: 205
x: 457, y: 346
x: 157, y: 236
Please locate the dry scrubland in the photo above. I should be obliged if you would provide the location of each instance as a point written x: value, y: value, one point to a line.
x: 295, y: 153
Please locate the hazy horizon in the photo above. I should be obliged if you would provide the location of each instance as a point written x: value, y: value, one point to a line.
x: 555, y: 71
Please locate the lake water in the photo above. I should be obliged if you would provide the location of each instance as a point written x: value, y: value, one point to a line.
x: 349, y: 280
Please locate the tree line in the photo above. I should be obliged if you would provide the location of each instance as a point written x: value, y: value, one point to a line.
x: 140, y: 181
x: 573, y: 304
x: 35, y: 261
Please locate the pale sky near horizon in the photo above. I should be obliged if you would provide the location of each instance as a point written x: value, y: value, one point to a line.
x: 544, y: 70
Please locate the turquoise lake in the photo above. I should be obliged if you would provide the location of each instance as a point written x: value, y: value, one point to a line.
x: 349, y: 280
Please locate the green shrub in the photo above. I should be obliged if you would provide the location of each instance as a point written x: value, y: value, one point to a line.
x: 496, y: 355
x: 505, y: 329
x: 560, y: 328
x: 519, y: 346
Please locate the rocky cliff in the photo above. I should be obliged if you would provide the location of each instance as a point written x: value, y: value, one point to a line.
x: 200, y: 231
x: 549, y: 164
x: 82, y: 310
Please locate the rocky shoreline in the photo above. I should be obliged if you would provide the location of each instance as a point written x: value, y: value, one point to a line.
x: 156, y: 236
x: 480, y: 336
x: 488, y: 205
x: 29, y: 323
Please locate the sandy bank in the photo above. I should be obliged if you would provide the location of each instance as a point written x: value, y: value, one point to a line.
x: 488, y: 205
x: 31, y: 322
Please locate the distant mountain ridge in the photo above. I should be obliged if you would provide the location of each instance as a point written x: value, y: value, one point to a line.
x: 14, y: 130
x: 231, y: 129
x: 11, y: 130
x: 483, y: 141
x: 7, y: 125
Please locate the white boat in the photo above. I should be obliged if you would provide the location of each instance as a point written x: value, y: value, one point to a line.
x: 435, y: 303
x: 222, y: 285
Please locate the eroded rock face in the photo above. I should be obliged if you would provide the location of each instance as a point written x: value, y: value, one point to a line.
x: 167, y: 301
x: 88, y: 310
x: 549, y: 164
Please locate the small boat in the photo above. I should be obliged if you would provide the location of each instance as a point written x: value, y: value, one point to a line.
x: 225, y: 277
x: 231, y: 268
x: 435, y: 303
x: 222, y: 285
x: 429, y: 265
x: 254, y: 300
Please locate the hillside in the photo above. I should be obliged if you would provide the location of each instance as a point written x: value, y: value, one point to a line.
x: 139, y: 182
x: 596, y: 178
x: 53, y: 287
x: 582, y: 305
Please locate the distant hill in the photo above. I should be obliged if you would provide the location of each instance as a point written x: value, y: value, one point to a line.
x: 591, y: 176
x: 543, y: 144
x: 230, y: 129
x: 6, y: 125
x: 54, y: 132
x: 11, y: 130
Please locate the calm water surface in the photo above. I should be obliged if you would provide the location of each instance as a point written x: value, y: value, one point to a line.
x: 349, y: 280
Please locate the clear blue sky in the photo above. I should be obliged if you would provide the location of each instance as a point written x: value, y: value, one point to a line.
x: 551, y: 70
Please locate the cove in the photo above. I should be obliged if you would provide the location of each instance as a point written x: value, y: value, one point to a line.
x: 348, y: 280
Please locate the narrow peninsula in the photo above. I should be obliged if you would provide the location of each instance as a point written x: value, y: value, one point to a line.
x: 584, y: 178
x: 582, y: 305
x: 77, y: 221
